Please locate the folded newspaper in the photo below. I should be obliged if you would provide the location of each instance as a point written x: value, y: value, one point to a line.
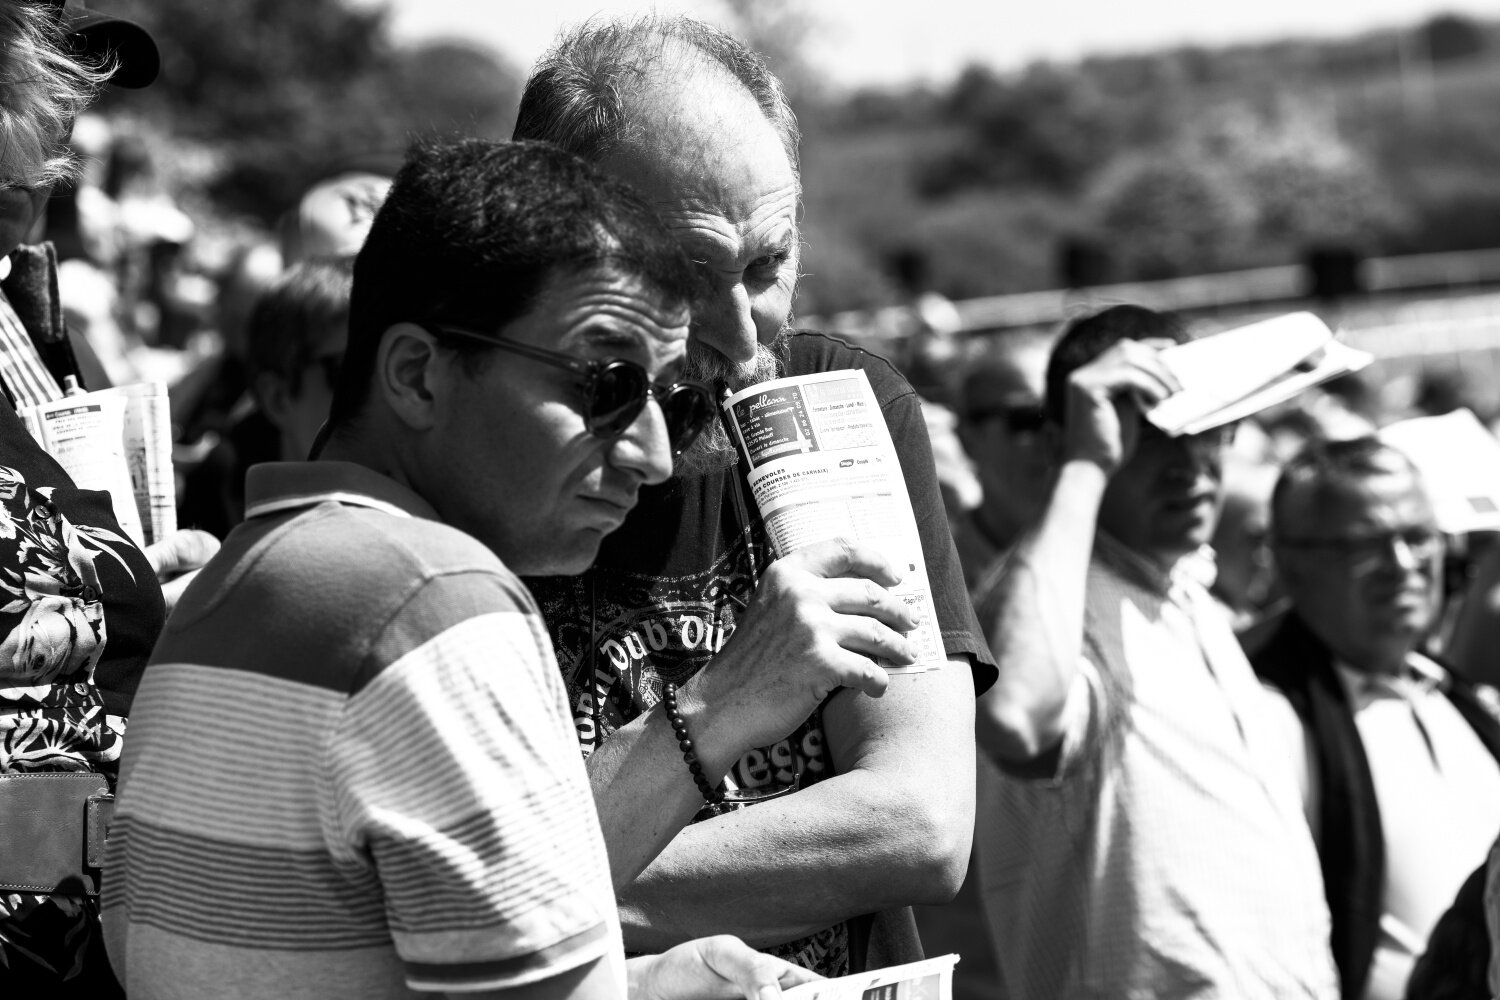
x: 1459, y: 460
x: 1239, y: 372
x: 931, y: 979
x: 822, y: 466
x: 118, y: 440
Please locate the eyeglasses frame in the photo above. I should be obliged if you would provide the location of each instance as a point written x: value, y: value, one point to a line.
x: 588, y: 372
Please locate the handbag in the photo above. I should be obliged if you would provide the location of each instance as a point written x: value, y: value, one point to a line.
x: 53, y: 828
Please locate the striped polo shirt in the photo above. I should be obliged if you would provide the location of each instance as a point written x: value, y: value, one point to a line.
x: 350, y: 770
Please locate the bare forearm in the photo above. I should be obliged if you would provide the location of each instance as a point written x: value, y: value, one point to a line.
x: 782, y: 869
x: 644, y: 792
x: 892, y: 828
x: 1037, y: 631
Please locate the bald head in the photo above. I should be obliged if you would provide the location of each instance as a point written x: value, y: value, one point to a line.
x: 608, y: 83
x: 693, y: 120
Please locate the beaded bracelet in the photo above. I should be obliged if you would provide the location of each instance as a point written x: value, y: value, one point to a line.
x: 711, y: 795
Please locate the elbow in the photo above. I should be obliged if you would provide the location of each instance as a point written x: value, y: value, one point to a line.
x: 944, y: 836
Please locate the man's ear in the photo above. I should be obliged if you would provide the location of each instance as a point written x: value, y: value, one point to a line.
x: 407, y: 375
x: 274, y: 397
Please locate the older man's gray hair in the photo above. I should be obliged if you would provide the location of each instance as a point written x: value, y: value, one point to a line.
x: 582, y: 93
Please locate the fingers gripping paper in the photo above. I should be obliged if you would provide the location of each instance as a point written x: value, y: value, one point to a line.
x: 822, y: 466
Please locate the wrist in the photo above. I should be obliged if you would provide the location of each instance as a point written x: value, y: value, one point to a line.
x: 713, y: 731
x: 1084, y: 477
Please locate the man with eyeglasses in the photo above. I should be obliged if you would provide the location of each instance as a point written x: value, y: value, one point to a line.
x: 351, y: 770
x: 1146, y: 840
x: 1397, y: 756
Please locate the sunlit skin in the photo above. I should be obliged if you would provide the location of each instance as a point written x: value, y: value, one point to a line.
x: 720, y: 179
x: 509, y: 459
x: 1370, y: 611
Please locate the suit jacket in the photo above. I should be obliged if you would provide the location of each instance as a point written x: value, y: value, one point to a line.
x: 1352, y: 850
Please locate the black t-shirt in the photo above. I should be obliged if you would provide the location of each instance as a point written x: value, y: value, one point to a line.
x: 668, y: 587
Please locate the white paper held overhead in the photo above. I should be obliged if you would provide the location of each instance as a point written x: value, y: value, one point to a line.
x: 1237, y: 373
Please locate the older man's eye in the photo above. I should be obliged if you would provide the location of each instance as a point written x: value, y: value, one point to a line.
x: 769, y: 265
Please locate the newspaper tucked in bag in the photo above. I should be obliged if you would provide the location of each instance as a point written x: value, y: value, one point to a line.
x: 822, y: 466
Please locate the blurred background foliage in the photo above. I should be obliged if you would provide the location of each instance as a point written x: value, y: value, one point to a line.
x: 1112, y: 168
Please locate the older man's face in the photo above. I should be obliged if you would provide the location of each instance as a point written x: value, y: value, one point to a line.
x: 1361, y: 559
x: 717, y: 173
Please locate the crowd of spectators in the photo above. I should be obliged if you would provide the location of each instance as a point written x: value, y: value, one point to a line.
x: 1216, y: 715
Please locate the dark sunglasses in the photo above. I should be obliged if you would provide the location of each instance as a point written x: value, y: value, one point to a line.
x: 615, y: 391
x: 1018, y: 419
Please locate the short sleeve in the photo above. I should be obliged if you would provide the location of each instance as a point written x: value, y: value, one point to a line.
x: 961, y: 633
x: 455, y: 777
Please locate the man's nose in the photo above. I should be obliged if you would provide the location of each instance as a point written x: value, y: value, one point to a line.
x: 646, y: 446
x: 723, y: 320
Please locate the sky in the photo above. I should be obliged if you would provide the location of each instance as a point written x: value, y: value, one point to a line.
x: 882, y: 43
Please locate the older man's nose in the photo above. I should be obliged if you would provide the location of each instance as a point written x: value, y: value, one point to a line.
x: 723, y: 320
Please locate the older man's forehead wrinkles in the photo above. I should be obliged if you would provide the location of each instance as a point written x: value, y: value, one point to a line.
x: 709, y: 238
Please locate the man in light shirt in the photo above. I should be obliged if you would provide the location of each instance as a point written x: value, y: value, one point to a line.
x: 1398, y: 756
x: 1150, y: 841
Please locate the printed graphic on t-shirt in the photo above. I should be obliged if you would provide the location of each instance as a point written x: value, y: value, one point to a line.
x: 619, y: 635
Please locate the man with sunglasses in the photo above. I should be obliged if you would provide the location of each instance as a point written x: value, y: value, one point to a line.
x: 351, y: 770
x: 1397, y: 755
x: 1000, y: 424
x: 1147, y: 840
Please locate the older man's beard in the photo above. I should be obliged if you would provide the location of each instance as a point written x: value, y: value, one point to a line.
x: 714, y: 450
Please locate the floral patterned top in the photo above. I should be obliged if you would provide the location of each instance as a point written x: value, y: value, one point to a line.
x: 79, y: 610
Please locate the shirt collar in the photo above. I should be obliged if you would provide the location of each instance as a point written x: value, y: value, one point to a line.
x: 276, y: 487
x: 1196, y: 567
x: 1420, y: 676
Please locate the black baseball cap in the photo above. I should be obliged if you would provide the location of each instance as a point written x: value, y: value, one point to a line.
x: 96, y: 35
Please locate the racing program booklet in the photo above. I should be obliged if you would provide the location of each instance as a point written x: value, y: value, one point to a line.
x: 822, y: 466
x: 931, y: 979
x: 118, y: 440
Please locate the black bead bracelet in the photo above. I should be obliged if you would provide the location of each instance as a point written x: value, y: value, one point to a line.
x: 711, y: 795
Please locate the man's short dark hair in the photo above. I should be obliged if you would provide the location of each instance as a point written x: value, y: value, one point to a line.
x: 1087, y: 338
x: 294, y: 317
x: 579, y: 93
x: 1323, y: 464
x: 472, y: 232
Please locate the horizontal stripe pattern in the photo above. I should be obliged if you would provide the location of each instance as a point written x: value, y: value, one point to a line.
x: 436, y: 806
x: 187, y: 767
x: 514, y: 789
x: 236, y: 894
